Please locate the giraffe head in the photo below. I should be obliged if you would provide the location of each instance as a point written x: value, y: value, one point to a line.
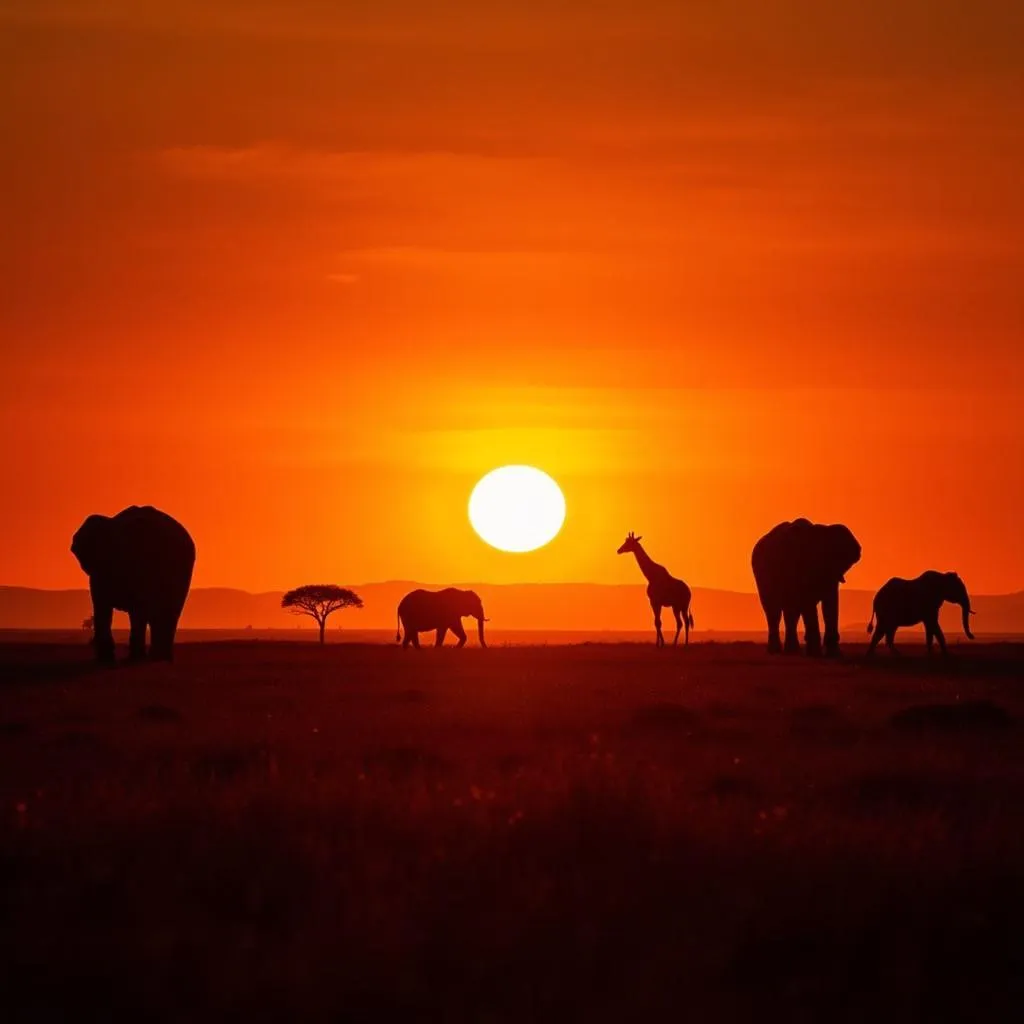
x: 631, y: 543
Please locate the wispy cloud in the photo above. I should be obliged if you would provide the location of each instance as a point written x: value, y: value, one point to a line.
x: 283, y: 162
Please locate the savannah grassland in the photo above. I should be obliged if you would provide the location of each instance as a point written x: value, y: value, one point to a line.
x: 275, y: 831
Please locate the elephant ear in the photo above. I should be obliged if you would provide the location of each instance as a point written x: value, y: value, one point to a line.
x: 840, y: 550
x: 91, y: 542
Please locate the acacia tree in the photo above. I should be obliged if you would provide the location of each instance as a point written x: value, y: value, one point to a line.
x: 318, y: 600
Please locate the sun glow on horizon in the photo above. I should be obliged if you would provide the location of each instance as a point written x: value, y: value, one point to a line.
x: 517, y: 508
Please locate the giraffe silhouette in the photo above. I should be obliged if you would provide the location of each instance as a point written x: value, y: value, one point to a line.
x: 663, y: 590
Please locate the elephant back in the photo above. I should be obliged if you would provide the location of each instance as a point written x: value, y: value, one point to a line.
x: 429, y: 609
x: 153, y: 537
x: 803, y: 555
x: 411, y: 601
x: 139, y: 561
x: 780, y: 550
x: 419, y: 608
x: 136, y: 550
x: 768, y: 550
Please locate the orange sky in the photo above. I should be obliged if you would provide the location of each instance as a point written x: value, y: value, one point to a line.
x: 300, y: 277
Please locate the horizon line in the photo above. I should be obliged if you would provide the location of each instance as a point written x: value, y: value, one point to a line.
x: 461, y: 584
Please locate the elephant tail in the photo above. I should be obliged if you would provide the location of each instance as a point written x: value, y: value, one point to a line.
x: 871, y: 624
x: 398, y: 628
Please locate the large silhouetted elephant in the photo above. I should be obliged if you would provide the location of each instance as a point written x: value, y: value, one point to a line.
x: 903, y: 602
x: 140, y: 562
x: 798, y: 566
x: 423, y: 610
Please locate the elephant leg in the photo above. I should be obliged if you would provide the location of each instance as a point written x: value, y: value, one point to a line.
x: 876, y: 638
x: 660, y: 640
x: 460, y: 634
x: 413, y: 637
x: 830, y: 618
x: 929, y: 636
x: 162, y: 630
x: 137, y: 636
x: 792, y: 621
x: 773, y: 616
x: 442, y: 632
x: 890, y: 636
x: 679, y: 626
x: 940, y: 636
x: 812, y: 631
x: 103, y: 634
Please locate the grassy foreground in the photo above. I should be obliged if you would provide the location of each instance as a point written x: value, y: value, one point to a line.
x: 274, y: 831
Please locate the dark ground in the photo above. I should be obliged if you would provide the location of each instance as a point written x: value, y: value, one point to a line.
x: 274, y: 831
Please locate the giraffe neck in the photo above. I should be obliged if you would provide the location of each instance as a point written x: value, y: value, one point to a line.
x: 648, y: 566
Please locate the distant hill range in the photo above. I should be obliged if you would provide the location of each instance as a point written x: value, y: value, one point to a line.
x: 532, y: 606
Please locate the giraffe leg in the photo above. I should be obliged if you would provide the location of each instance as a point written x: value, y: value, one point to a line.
x: 656, y: 608
x: 679, y: 626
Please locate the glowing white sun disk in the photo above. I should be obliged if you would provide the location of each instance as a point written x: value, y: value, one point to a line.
x: 517, y: 508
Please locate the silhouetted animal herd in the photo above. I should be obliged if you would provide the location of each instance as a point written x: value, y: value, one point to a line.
x: 141, y: 560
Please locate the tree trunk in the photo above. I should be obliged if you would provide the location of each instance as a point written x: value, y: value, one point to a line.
x: 323, y: 626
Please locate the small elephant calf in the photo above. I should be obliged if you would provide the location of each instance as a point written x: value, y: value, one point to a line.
x: 423, y: 610
x: 909, y: 602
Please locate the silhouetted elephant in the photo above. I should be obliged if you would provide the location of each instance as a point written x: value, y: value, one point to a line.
x: 140, y: 562
x: 798, y: 565
x: 903, y: 602
x: 422, y: 610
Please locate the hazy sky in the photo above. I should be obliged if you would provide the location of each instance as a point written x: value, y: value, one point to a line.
x: 299, y: 273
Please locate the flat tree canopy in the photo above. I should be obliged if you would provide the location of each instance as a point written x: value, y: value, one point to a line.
x: 319, y: 600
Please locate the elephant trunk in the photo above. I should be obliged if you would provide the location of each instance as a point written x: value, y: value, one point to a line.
x: 480, y: 630
x: 965, y: 608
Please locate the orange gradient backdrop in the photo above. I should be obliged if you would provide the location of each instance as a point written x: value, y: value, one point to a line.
x: 300, y: 278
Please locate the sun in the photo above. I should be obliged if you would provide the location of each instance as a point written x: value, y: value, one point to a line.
x: 517, y: 508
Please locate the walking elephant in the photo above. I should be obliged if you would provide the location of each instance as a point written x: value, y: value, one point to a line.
x: 798, y: 566
x: 903, y: 602
x: 423, y: 610
x: 140, y: 562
